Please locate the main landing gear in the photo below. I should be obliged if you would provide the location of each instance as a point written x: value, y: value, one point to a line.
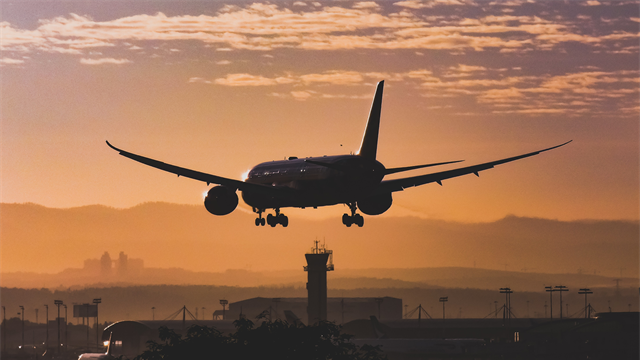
x: 272, y: 220
x: 354, y: 218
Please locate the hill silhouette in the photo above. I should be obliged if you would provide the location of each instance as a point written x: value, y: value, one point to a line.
x: 47, y: 240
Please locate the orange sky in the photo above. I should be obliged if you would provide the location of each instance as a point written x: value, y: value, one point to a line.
x: 220, y: 87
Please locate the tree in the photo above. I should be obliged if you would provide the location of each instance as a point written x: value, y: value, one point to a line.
x: 272, y: 339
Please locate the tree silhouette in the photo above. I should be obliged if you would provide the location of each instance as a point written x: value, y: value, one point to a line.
x: 272, y: 339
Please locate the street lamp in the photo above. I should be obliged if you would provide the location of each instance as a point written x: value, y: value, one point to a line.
x: 4, y: 329
x: 379, y: 302
x: 22, y: 312
x: 58, y: 303
x: 46, y: 343
x: 153, y: 313
x: 443, y: 300
x: 97, y: 301
x: 66, y: 333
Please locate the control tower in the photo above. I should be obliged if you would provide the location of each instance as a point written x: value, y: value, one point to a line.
x: 317, y: 268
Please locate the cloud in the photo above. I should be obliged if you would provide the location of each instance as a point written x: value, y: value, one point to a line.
x: 251, y: 80
x: 366, y: 5
x: 10, y: 61
x: 333, y: 77
x: 414, y: 4
x: 583, y: 92
x: 468, y: 68
x: 266, y: 27
x: 300, y: 95
x: 199, y: 80
x: 510, y: 2
x: 103, y: 61
x: 223, y: 62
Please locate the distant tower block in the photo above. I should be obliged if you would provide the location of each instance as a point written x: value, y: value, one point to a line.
x: 317, y: 268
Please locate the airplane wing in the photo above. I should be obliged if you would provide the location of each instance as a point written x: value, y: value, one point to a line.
x: 197, y: 175
x: 401, y: 184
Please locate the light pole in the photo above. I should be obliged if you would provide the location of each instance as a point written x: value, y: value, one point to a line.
x: 379, y: 302
x: 66, y: 333
x: 46, y: 341
x: 585, y: 292
x: 22, y: 313
x: 153, y: 313
x: 4, y: 329
x: 97, y: 301
x: 561, y: 288
x: 507, y: 291
x: 58, y: 303
x: 443, y: 300
x: 550, y: 290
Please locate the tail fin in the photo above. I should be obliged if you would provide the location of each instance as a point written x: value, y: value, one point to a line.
x: 369, y: 145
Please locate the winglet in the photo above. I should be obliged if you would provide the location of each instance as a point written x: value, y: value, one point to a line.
x: 369, y: 146
x: 113, y: 147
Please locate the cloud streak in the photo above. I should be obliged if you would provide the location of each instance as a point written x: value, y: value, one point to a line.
x: 103, y: 61
x: 582, y: 92
x: 266, y: 27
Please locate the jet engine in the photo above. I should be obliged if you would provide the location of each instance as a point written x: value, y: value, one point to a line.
x: 221, y: 200
x: 375, y: 205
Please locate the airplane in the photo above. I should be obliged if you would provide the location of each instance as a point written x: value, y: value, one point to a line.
x: 99, y: 356
x: 356, y: 180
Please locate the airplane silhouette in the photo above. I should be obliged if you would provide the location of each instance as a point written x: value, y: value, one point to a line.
x: 354, y: 180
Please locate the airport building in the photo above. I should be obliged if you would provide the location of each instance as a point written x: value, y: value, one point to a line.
x: 339, y: 310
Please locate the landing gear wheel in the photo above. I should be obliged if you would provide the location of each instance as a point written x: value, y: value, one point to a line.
x: 271, y: 220
x: 262, y: 221
x: 346, y: 219
x: 283, y: 220
x: 258, y: 221
x: 354, y: 218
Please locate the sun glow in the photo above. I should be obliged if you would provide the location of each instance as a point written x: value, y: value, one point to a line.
x: 245, y: 175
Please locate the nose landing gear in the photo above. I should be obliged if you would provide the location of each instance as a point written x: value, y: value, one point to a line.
x: 354, y: 218
x: 260, y: 220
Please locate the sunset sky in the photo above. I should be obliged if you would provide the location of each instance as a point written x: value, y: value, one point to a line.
x: 219, y: 86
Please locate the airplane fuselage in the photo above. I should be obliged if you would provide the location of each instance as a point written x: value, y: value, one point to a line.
x: 315, y: 181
